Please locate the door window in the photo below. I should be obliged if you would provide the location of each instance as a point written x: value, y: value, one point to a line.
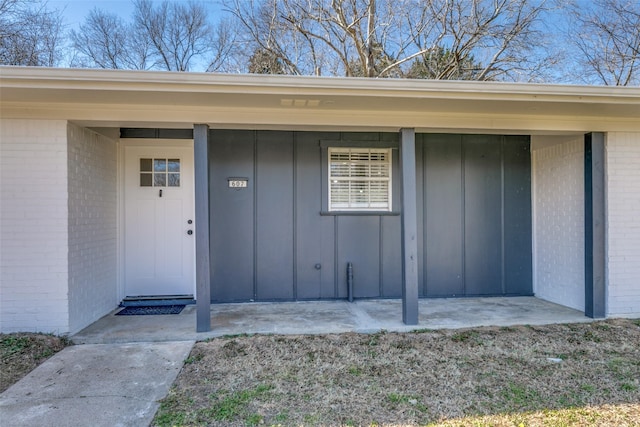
x: 159, y: 172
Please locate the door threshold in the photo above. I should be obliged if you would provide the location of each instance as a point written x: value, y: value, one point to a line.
x: 157, y: 300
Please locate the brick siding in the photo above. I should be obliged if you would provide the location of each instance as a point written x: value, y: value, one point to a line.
x: 623, y: 224
x: 93, y: 213
x: 33, y: 226
x: 558, y: 179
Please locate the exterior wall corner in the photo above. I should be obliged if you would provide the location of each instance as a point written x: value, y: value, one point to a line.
x: 558, y: 219
x: 93, y: 217
x: 34, y: 226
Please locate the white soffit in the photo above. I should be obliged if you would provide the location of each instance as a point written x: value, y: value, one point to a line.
x: 127, y: 98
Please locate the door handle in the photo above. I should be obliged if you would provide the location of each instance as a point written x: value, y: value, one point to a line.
x: 189, y: 232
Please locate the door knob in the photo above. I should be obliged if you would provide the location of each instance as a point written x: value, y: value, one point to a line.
x: 189, y: 232
x: 189, y: 222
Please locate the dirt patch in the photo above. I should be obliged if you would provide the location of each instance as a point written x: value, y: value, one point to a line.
x: 22, y: 352
x: 413, y: 379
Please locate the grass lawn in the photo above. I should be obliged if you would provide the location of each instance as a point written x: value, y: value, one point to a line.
x: 21, y: 353
x: 558, y: 375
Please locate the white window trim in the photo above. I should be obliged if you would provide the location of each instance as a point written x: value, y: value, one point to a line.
x: 388, y: 179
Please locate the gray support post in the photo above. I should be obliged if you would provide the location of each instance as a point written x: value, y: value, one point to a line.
x: 409, y: 227
x: 203, y: 274
x: 594, y: 225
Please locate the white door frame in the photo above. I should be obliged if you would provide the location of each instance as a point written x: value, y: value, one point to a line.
x: 122, y: 144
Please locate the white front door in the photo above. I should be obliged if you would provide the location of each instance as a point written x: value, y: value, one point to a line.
x: 159, y: 228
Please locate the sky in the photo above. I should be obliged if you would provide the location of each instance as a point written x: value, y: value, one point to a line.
x: 75, y: 11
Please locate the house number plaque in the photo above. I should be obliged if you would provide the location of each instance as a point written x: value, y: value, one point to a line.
x: 237, y: 182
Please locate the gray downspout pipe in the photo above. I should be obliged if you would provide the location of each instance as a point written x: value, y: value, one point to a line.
x: 350, y: 281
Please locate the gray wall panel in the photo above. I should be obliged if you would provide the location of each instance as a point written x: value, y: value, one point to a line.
x: 315, y: 241
x: 443, y: 215
x: 390, y: 236
x: 359, y: 243
x: 274, y: 216
x: 267, y: 239
x: 231, y: 155
x: 420, y: 211
x: 391, y: 256
x: 477, y: 215
x: 517, y: 216
x: 482, y: 214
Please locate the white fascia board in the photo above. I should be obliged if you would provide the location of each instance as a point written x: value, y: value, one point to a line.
x: 79, y: 79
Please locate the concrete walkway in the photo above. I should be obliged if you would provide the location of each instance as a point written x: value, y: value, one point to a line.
x: 95, y: 385
x: 318, y: 317
x: 128, y: 363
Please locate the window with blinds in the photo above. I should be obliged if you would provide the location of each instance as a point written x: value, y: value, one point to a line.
x: 359, y: 179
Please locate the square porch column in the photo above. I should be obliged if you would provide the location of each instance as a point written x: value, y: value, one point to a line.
x: 203, y: 273
x: 594, y: 226
x: 409, y: 227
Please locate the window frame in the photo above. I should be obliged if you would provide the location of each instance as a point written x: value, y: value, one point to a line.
x: 366, y: 153
x: 394, y: 177
x: 153, y: 172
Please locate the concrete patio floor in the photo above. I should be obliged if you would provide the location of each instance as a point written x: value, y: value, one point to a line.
x: 320, y: 317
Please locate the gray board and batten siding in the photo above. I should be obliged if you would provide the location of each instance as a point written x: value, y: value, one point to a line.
x: 275, y: 240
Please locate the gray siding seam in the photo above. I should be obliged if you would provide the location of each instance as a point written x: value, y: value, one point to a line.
x: 502, y: 224
x: 380, y: 257
x: 336, y: 267
x: 294, y: 225
x: 424, y: 218
x: 324, y: 179
x: 463, y: 216
x: 256, y: 208
x: 421, y: 218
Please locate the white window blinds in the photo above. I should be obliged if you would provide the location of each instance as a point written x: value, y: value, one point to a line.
x: 360, y: 179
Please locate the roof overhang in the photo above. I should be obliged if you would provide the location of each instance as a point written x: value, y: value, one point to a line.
x: 116, y: 98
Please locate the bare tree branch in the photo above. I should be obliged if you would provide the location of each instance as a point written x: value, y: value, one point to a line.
x: 167, y: 36
x: 379, y: 38
x: 104, y: 40
x: 30, y: 33
x: 606, y: 37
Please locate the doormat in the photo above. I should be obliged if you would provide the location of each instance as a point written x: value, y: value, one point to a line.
x: 146, y: 310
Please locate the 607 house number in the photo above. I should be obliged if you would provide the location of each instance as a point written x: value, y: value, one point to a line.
x: 237, y: 183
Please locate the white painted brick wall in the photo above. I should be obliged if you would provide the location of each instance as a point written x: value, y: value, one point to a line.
x: 33, y: 226
x: 93, y: 213
x: 558, y: 199
x: 623, y: 223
